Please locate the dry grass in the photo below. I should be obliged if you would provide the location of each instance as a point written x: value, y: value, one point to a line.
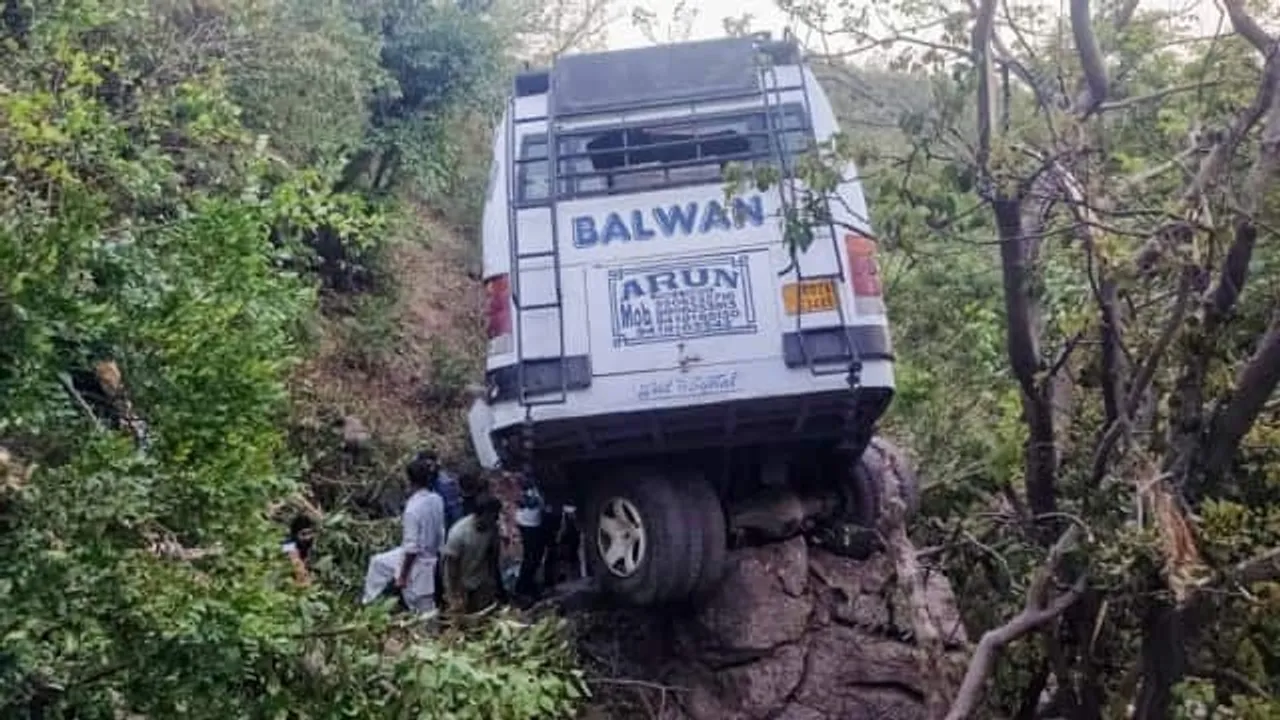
x: 385, y: 365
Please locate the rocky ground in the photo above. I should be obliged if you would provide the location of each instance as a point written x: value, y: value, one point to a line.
x: 794, y: 633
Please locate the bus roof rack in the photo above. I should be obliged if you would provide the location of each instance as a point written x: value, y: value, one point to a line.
x: 600, y: 82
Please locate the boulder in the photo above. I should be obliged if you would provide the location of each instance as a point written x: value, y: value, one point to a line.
x: 793, y: 633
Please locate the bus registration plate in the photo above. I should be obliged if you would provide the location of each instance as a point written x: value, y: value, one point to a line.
x: 810, y: 296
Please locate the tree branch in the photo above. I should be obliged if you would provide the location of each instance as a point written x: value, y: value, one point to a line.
x: 1125, y: 14
x: 69, y: 385
x: 1235, y: 272
x: 1130, y: 102
x: 1020, y: 223
x: 1218, y: 447
x: 1095, y: 71
x: 1227, y: 676
x: 1235, y: 266
x: 1247, y: 27
x: 1259, y: 377
x: 983, y: 30
x: 1260, y: 568
x: 1024, y: 351
x: 1254, y: 385
x: 1211, y: 166
x: 1037, y: 611
x: 1114, y: 368
x: 1147, y: 372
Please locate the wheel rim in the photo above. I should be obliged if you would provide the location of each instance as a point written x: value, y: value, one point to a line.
x: 620, y: 537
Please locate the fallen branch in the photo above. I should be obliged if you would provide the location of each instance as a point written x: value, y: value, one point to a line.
x: 174, y: 550
x: 69, y: 385
x: 640, y: 686
x: 625, y: 682
x: 1037, y: 611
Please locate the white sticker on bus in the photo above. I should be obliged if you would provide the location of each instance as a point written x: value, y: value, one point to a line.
x: 679, y: 300
x: 697, y: 385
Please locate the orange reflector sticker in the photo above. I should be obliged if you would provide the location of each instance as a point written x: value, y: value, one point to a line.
x: 809, y: 297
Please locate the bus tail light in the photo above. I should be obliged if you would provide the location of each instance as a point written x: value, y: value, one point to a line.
x: 497, y: 293
x: 864, y: 271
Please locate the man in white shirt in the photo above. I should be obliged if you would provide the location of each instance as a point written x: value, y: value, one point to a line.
x: 412, y: 565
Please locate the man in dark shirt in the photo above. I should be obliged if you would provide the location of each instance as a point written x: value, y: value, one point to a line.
x: 471, y: 485
x: 472, y: 580
x: 447, y: 486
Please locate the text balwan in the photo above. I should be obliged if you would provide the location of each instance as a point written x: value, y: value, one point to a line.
x: 687, y: 219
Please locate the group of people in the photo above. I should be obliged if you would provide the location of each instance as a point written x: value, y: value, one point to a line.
x: 450, y: 548
x: 449, y: 556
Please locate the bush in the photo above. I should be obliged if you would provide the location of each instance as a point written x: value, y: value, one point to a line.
x: 151, y: 305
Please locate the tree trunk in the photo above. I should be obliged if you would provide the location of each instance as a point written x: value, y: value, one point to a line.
x: 1164, y: 661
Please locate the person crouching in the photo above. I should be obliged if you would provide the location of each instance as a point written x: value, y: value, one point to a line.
x: 411, y: 567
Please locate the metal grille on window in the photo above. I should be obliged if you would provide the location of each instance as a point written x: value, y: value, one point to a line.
x: 672, y: 153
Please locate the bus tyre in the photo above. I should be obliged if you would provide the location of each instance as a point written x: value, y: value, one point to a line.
x: 882, y: 468
x: 706, y: 513
x: 639, y: 543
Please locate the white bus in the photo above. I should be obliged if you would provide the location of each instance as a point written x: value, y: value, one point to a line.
x: 656, y: 353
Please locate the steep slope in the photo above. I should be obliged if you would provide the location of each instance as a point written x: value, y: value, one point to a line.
x: 392, y: 367
x: 399, y: 360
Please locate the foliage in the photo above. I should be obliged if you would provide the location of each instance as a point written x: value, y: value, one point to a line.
x: 503, y: 670
x: 1050, y: 261
x: 369, y: 333
x: 549, y: 28
x: 167, y: 213
x: 439, y: 62
x: 450, y: 374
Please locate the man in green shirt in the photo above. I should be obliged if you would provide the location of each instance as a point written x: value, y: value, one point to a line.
x: 471, y: 577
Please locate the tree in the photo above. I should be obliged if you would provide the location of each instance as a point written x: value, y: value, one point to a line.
x: 551, y: 29
x: 677, y: 28
x: 158, y: 271
x: 1114, y: 174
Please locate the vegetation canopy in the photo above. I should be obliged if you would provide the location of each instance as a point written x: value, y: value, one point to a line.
x: 1076, y: 212
x: 180, y: 184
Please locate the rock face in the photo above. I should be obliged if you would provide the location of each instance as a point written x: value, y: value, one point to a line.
x: 793, y: 633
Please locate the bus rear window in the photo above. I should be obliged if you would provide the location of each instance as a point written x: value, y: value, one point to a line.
x: 636, y: 157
